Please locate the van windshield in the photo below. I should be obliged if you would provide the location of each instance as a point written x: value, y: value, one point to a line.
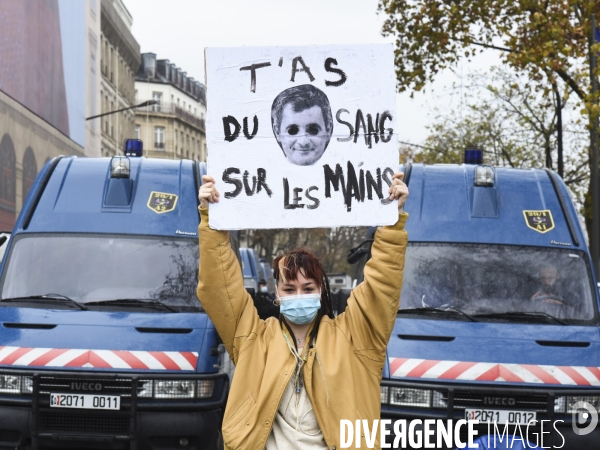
x: 498, y: 281
x: 97, y: 268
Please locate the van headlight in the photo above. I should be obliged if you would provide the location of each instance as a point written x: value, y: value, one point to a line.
x: 439, y: 400
x: 176, y: 389
x: 565, y: 404
x: 385, y: 392
x: 420, y: 398
x: 15, y: 384
x: 10, y: 384
x: 27, y: 385
x: 205, y: 388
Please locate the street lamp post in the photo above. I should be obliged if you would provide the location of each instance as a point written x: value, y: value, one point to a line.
x: 141, y: 105
x: 595, y: 237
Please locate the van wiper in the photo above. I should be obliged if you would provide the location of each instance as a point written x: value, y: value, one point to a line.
x: 47, y: 298
x: 521, y: 315
x: 445, y: 310
x: 134, y: 302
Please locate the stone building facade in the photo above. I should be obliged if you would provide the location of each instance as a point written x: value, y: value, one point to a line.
x: 119, y: 61
x: 30, y: 134
x: 27, y: 142
x: 173, y: 128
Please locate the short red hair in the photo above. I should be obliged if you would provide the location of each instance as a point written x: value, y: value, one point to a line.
x: 287, y: 266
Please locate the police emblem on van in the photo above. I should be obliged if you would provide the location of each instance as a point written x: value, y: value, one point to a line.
x: 540, y: 221
x: 161, y: 202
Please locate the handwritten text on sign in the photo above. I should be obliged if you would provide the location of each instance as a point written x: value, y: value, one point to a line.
x: 301, y: 136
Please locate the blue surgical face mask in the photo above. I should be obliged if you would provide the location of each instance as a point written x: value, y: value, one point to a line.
x: 300, y: 309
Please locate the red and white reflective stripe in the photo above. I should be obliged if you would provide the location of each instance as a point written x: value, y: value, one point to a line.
x: 100, y: 359
x: 479, y: 371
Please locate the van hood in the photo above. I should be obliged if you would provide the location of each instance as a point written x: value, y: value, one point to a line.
x: 451, y: 351
x: 59, y: 339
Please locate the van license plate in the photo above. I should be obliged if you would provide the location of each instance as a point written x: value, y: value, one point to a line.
x: 85, y: 401
x: 500, y: 416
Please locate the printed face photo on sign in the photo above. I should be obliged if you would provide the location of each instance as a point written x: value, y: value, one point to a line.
x: 302, y: 123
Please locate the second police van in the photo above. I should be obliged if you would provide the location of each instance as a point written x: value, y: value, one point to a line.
x: 498, y: 319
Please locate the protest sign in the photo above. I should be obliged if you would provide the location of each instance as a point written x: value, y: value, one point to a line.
x: 301, y: 137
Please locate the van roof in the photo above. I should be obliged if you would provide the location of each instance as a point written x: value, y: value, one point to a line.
x: 446, y: 206
x: 80, y: 196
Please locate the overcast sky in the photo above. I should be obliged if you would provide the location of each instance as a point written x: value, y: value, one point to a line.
x: 178, y: 30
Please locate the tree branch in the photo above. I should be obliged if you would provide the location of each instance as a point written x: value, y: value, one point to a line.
x: 571, y: 82
x: 481, y: 44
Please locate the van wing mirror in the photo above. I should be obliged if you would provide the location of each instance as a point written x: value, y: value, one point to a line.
x: 356, y: 253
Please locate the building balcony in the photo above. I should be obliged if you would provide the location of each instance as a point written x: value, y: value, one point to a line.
x: 159, y: 146
x: 175, y: 110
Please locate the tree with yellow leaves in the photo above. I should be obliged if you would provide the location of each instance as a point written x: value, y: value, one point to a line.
x: 546, y: 40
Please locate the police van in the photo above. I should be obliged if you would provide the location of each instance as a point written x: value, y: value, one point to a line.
x: 103, y: 343
x: 498, y: 319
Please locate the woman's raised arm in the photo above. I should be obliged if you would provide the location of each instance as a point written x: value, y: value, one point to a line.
x: 373, y: 304
x: 220, y: 282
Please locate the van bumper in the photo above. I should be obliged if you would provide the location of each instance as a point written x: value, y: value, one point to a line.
x: 140, y: 424
x: 552, y: 429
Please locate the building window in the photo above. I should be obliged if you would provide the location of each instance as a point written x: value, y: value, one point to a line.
x: 102, y: 57
x: 112, y: 119
x: 8, y: 181
x: 157, y: 97
x: 29, y: 171
x: 137, y: 132
x: 92, y: 88
x: 159, y: 138
x: 111, y: 63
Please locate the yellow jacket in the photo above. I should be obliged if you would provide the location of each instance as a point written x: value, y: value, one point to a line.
x: 343, y: 369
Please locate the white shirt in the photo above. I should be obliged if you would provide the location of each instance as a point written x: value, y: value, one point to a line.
x: 295, y: 426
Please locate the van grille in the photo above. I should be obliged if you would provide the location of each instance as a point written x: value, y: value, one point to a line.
x: 109, y: 386
x: 469, y: 399
x: 110, y: 423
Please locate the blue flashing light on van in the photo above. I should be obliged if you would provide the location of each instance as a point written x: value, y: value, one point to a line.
x: 499, y: 308
x: 103, y: 341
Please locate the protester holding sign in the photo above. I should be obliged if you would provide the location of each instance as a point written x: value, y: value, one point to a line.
x: 298, y: 376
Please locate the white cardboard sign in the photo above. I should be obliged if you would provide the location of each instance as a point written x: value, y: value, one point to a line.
x: 301, y: 137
